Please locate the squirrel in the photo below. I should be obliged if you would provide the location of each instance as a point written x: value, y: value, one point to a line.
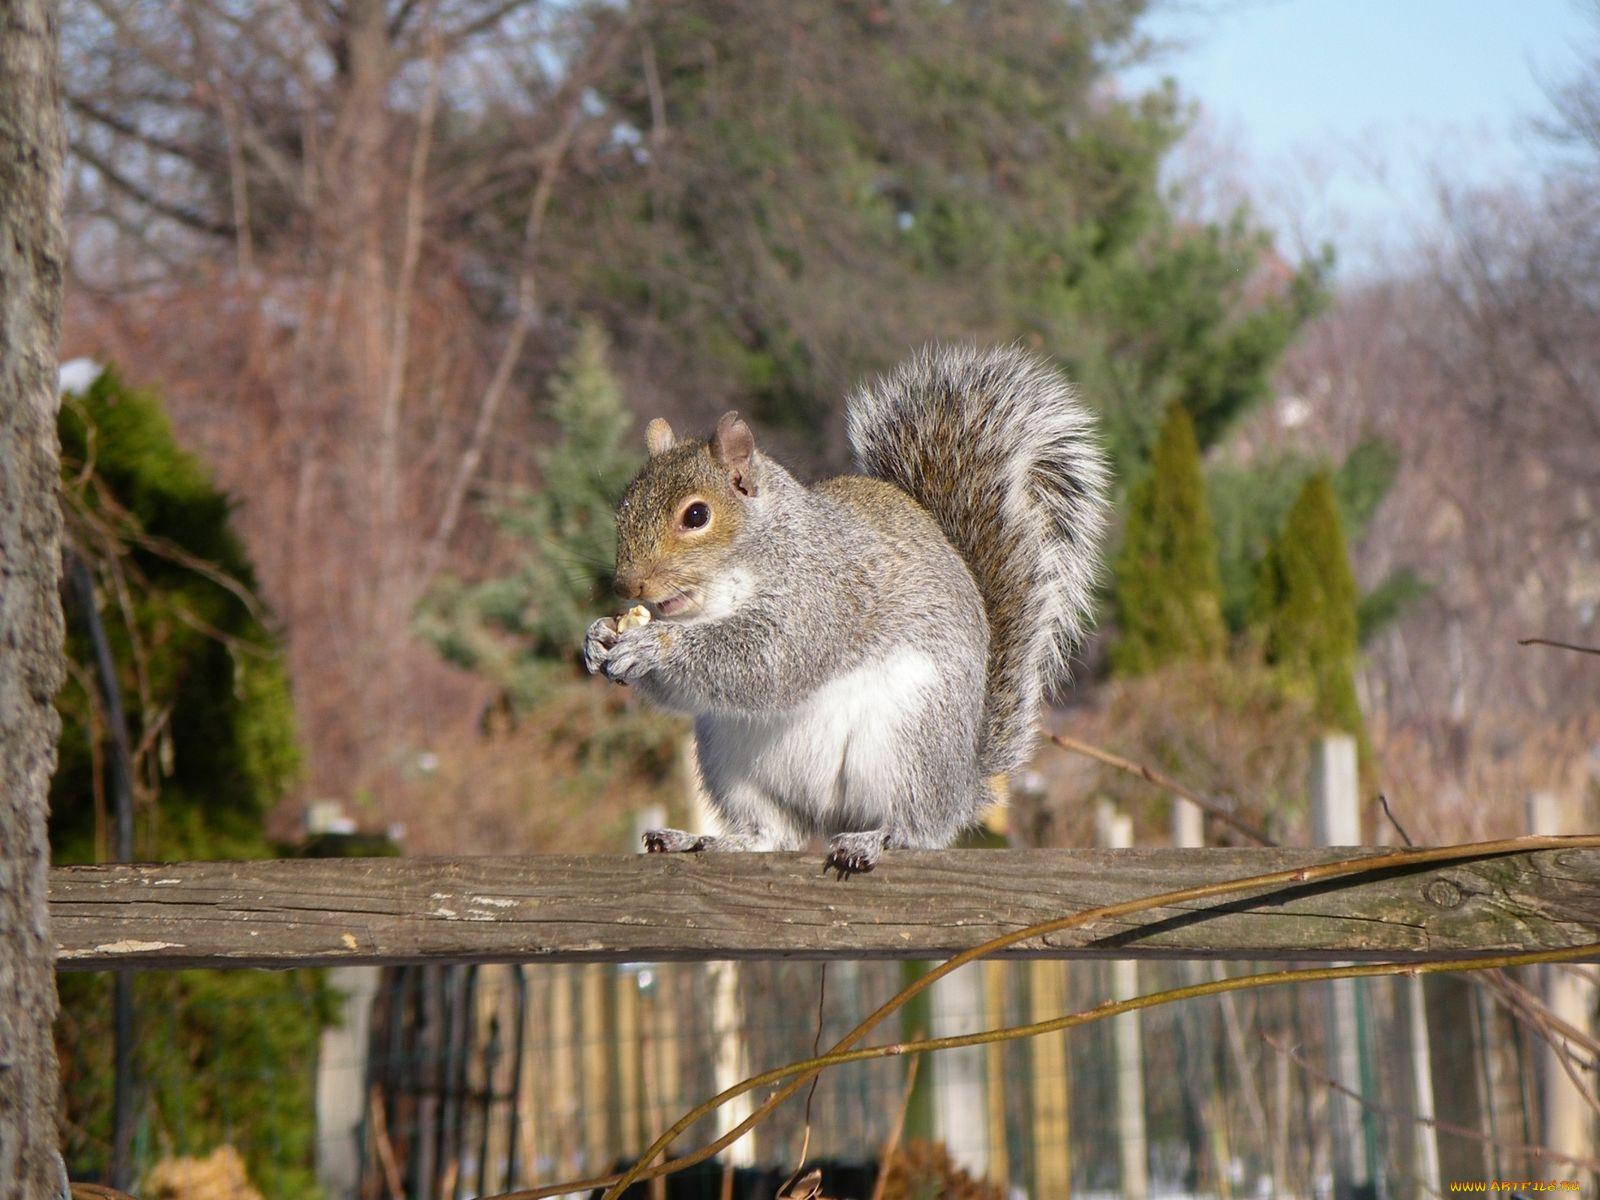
x: 864, y: 656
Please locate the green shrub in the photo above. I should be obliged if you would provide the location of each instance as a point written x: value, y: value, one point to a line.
x: 220, y: 1056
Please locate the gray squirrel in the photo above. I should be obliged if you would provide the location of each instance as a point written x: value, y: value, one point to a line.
x: 864, y: 658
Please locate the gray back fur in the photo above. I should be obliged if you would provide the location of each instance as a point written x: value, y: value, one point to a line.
x: 996, y: 445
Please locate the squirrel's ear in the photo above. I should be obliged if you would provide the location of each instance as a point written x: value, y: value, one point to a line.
x: 658, y: 437
x: 734, y: 446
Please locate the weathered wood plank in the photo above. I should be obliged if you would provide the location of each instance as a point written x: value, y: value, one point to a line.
x: 749, y: 906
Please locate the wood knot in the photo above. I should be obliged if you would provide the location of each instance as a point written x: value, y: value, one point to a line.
x: 1444, y: 893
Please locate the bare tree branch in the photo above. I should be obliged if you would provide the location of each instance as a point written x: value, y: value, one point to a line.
x: 185, y: 217
x: 125, y: 128
x: 600, y: 56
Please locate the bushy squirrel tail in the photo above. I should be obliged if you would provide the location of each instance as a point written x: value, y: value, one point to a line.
x: 997, y: 447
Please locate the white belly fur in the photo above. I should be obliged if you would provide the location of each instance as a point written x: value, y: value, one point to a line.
x: 828, y: 763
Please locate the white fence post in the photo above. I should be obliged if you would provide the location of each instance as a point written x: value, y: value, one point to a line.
x: 342, y: 1081
x: 960, y: 1080
x: 1568, y: 1122
x: 1114, y: 831
x: 1336, y: 821
x: 731, y: 1058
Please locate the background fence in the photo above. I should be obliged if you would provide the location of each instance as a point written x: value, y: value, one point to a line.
x: 484, y: 1079
x: 452, y: 1078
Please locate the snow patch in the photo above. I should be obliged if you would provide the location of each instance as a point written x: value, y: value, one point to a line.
x: 78, y: 374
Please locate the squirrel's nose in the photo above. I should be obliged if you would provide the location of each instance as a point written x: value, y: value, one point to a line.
x: 630, y: 586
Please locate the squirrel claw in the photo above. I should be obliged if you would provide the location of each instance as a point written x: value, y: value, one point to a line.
x: 855, y: 853
x: 673, y: 841
x: 597, y: 644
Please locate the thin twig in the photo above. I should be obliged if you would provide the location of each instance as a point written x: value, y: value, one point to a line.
x: 238, y: 188
x: 1396, y: 1114
x: 1520, y: 1001
x: 1344, y: 867
x: 816, y: 1048
x: 1215, y: 807
x: 1544, y: 1022
x: 385, y: 1148
x: 400, y: 331
x: 1383, y: 802
x: 126, y: 524
x: 1535, y: 641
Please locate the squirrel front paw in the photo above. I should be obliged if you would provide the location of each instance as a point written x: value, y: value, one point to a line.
x: 597, y: 644
x: 621, y: 657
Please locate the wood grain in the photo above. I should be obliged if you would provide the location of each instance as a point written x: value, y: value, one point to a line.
x: 756, y: 906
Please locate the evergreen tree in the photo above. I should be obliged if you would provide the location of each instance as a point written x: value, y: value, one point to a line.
x: 221, y: 1056
x: 523, y: 629
x: 844, y: 182
x: 1250, y: 503
x: 1306, y: 608
x: 1167, y: 593
x: 571, y: 518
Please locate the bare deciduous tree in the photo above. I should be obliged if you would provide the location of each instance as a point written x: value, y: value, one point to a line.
x: 31, y: 268
x: 1480, y: 366
x: 310, y: 170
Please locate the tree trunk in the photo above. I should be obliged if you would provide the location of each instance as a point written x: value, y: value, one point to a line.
x: 32, y: 260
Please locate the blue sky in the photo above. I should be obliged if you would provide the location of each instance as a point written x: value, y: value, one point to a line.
x: 1335, y: 114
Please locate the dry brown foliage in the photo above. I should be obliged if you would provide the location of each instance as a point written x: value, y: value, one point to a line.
x: 923, y: 1170
x: 567, y: 779
x: 1451, y: 784
x: 1222, y: 728
x: 218, y: 1176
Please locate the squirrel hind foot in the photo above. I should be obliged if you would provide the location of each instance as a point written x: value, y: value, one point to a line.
x: 855, y: 853
x: 674, y: 841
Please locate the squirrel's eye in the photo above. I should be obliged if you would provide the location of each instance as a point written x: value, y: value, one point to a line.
x: 697, y: 515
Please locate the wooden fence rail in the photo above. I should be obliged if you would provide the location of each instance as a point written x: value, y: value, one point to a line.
x: 617, y: 908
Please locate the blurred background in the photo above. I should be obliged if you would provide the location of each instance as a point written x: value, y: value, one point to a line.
x: 370, y: 300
